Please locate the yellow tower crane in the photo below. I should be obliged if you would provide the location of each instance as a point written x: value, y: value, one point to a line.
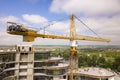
x: 29, y: 35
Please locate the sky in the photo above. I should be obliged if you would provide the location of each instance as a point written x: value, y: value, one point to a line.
x: 102, y: 16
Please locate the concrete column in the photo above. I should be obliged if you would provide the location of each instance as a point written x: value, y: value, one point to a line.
x: 30, y: 73
x: 17, y: 65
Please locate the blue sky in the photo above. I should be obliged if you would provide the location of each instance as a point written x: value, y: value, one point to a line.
x: 102, y: 16
x: 19, y: 7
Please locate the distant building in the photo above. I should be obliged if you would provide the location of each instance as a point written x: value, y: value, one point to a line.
x: 25, y: 63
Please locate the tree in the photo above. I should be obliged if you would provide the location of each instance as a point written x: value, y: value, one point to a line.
x: 101, y: 62
x: 116, y: 64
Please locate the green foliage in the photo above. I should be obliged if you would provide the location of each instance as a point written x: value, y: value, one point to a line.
x: 62, y: 52
x: 41, y: 56
x: 96, y: 57
x: 104, y: 58
x: 116, y: 64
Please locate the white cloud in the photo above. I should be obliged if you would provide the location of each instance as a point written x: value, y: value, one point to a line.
x: 104, y: 26
x: 107, y: 27
x: 7, y: 39
x: 8, y: 18
x: 60, y: 28
x: 35, y: 19
x: 88, y: 7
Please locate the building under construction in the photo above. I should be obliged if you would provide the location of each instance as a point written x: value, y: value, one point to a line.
x: 29, y: 35
x: 25, y: 63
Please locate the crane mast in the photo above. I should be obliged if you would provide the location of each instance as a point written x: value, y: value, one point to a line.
x: 73, y: 48
x: 29, y: 35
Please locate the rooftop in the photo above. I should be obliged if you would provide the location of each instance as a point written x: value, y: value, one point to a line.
x: 95, y: 72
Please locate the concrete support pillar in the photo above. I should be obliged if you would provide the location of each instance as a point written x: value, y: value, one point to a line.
x: 17, y: 66
x: 30, y: 66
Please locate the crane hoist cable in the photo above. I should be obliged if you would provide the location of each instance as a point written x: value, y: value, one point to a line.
x: 52, y: 23
x: 87, y: 26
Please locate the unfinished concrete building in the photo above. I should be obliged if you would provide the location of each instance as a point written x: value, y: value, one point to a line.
x: 25, y: 63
